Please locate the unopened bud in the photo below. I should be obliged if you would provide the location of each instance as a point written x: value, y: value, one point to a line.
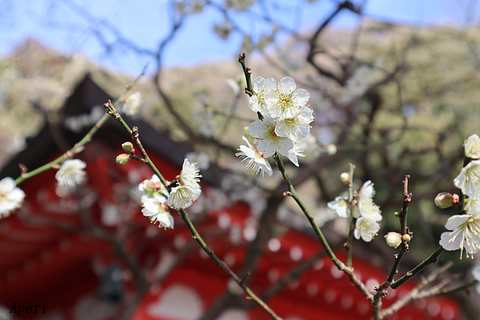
x: 394, y: 239
x: 345, y: 177
x: 122, y: 158
x: 406, y: 237
x: 128, y: 147
x: 445, y: 200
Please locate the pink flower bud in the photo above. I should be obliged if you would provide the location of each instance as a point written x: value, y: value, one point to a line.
x: 394, y: 239
x: 406, y: 238
x: 445, y: 200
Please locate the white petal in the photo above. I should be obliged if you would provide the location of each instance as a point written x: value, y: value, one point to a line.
x: 257, y: 129
x: 286, y: 85
x: 301, y: 96
x: 455, y: 221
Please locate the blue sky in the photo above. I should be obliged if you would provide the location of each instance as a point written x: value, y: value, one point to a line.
x: 62, y: 25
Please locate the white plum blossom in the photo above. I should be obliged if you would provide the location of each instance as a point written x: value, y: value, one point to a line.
x: 254, y: 160
x: 365, y: 202
x: 269, y: 142
x: 11, y: 196
x: 132, y: 104
x: 366, y: 229
x: 188, y: 188
x: 472, y: 147
x: 156, y: 210
x: 71, y: 173
x: 365, y: 211
x: 297, y: 126
x: 464, y: 231
x: 261, y: 87
x: 469, y: 179
x: 286, y: 100
x: 154, y: 202
x: 340, y: 205
x: 182, y: 197
x: 152, y: 188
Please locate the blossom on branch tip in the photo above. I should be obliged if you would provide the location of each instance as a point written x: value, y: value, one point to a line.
x: 472, y: 147
x: 71, y: 173
x: 469, y: 179
x: 268, y: 141
x: 11, y: 196
x: 285, y: 100
x: 254, y: 160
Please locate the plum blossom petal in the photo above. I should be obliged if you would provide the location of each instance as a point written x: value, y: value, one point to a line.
x: 254, y: 160
x: 469, y: 179
x: 295, y: 152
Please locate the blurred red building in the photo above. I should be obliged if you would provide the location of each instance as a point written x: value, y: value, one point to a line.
x: 79, y: 255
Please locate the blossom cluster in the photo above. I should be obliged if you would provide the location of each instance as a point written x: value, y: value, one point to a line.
x: 366, y: 212
x: 156, y: 199
x: 464, y: 228
x: 284, y: 119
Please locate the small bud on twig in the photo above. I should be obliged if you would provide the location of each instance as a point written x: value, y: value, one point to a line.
x: 122, y: 158
x: 445, y: 200
x: 345, y: 178
x: 393, y: 239
x: 128, y: 147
